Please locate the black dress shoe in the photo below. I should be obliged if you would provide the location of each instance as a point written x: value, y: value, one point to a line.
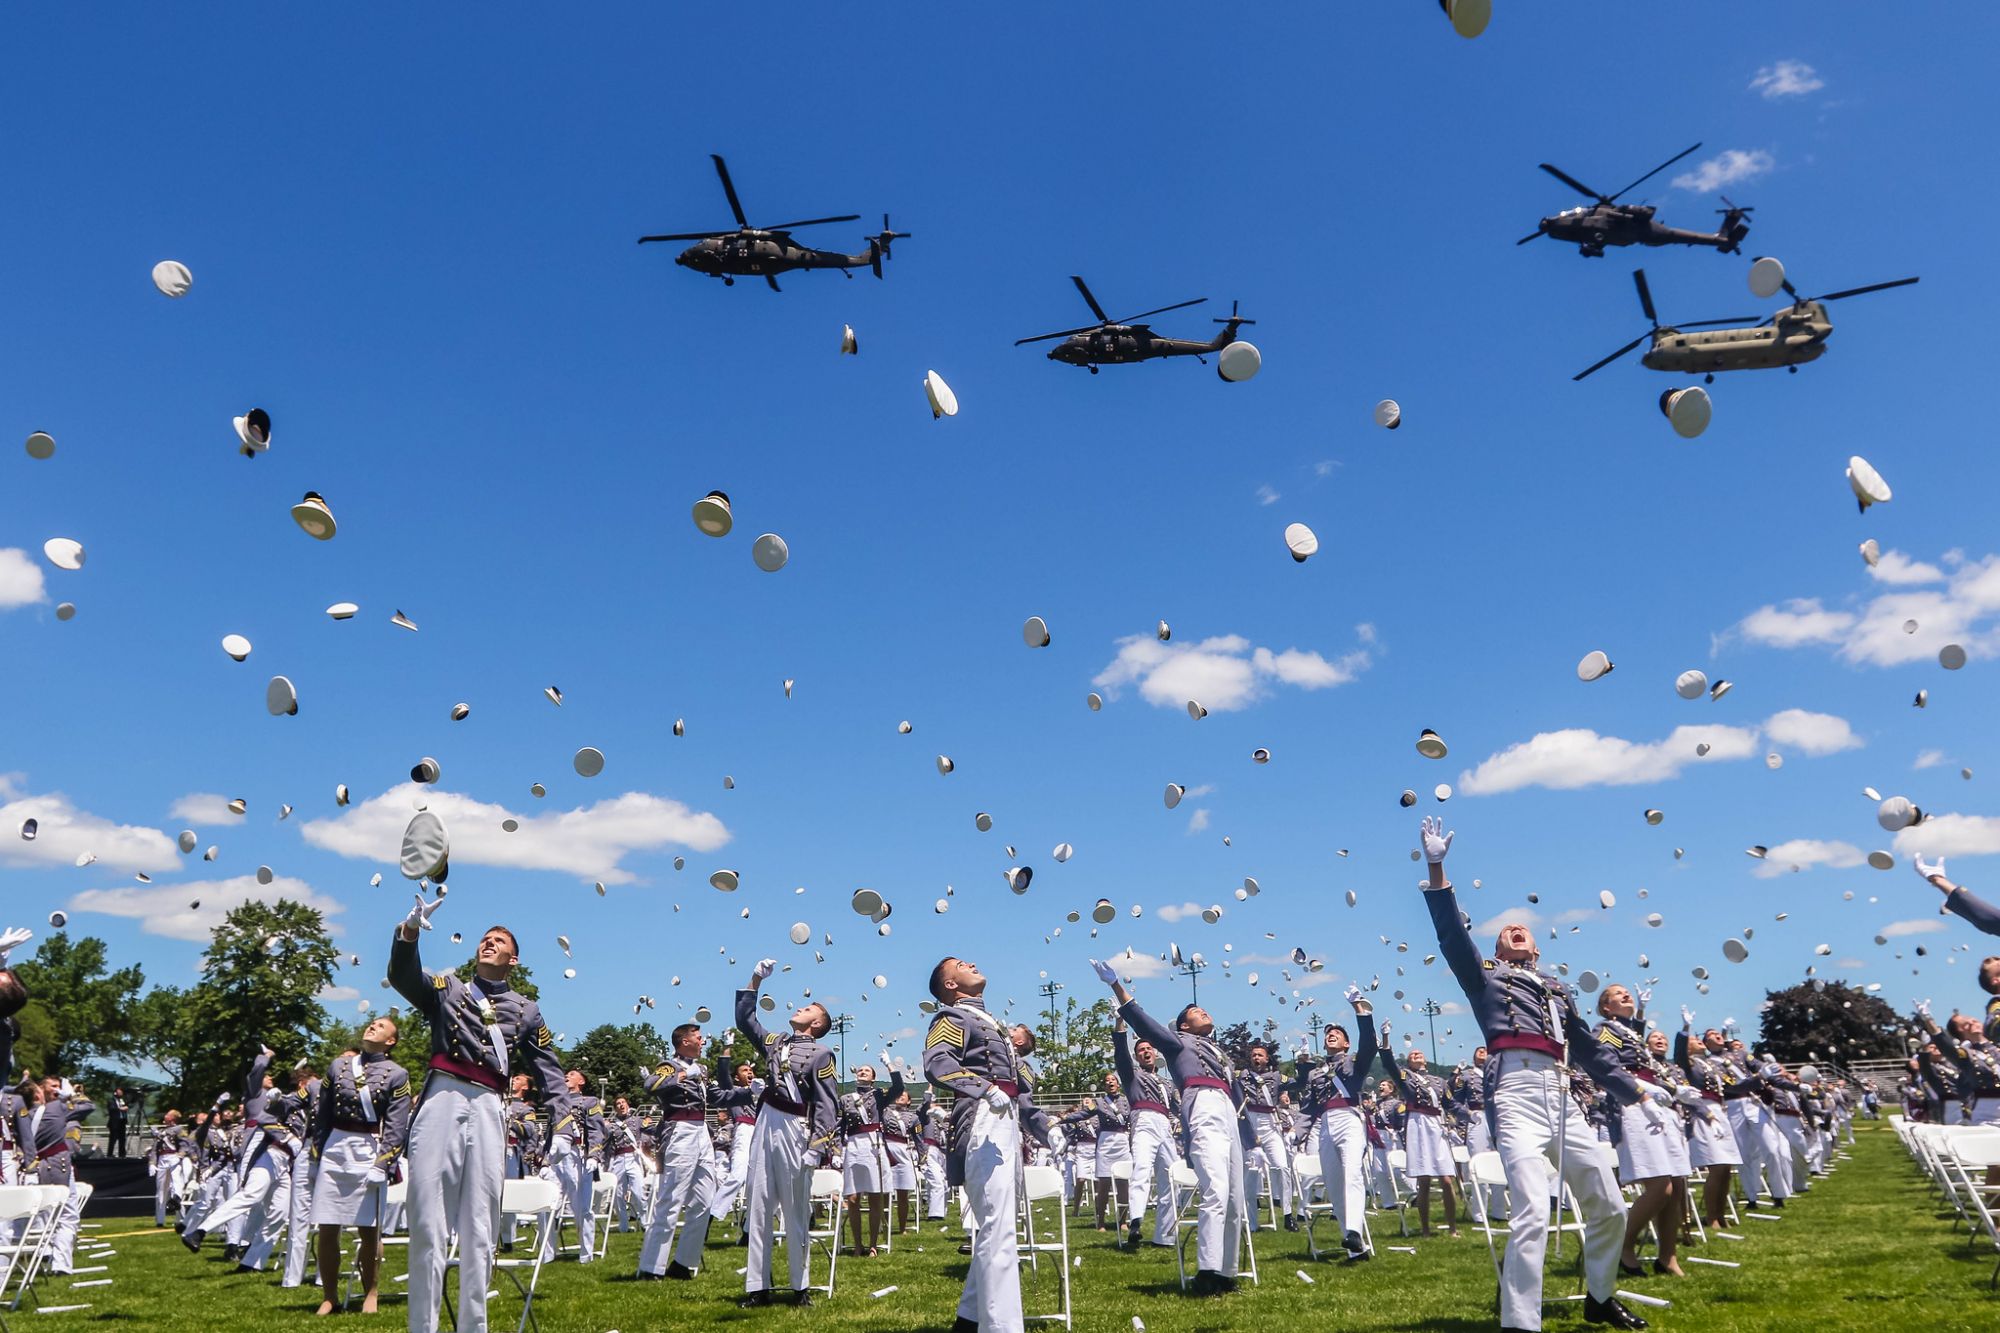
x: 1207, y: 1282
x: 680, y: 1272
x: 743, y: 1241
x: 755, y: 1300
x: 803, y: 1301
x: 1778, y: 1204
x: 246, y: 1268
x: 1611, y: 1311
x: 193, y: 1239
x: 965, y: 1248
x: 1291, y: 1221
x: 964, y: 1325
x: 651, y: 1277
x: 1631, y: 1270
x: 1225, y: 1282
x: 1357, y: 1251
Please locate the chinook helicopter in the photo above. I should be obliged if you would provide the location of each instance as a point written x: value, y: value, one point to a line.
x: 1112, y: 342
x: 1789, y: 338
x: 767, y: 251
x: 1608, y: 222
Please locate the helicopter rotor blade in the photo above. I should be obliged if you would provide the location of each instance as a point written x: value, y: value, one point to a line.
x: 1178, y: 305
x: 1573, y: 183
x: 1656, y: 170
x: 729, y: 188
x: 1645, y: 296
x: 683, y: 236
x: 1060, y: 333
x: 1090, y: 300
x: 1614, y: 356
x: 1536, y: 234
x: 1860, y: 291
x: 811, y: 222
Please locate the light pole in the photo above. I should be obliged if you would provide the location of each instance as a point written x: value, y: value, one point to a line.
x: 1049, y: 990
x: 1431, y: 1011
x: 839, y: 1025
x: 1192, y: 970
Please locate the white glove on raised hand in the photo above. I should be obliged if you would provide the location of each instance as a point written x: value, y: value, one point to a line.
x: 1928, y: 870
x: 1645, y: 996
x: 1105, y: 972
x: 1057, y: 1139
x: 1436, y: 841
x: 765, y: 967
x: 1687, y: 1019
x: 996, y: 1101
x: 1352, y: 994
x: 420, y: 915
x: 13, y: 938
x: 1923, y: 1008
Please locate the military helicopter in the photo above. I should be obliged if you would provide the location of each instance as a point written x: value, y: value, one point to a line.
x: 1608, y: 222
x: 1789, y: 338
x: 767, y: 251
x: 1112, y: 342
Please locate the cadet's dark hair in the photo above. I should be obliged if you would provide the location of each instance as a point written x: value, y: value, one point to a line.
x: 1260, y: 1046
x: 13, y: 995
x: 1180, y: 1019
x: 937, y: 977
x: 1023, y: 1027
x: 511, y: 941
x: 825, y: 1020
x: 683, y: 1030
x: 1335, y: 1027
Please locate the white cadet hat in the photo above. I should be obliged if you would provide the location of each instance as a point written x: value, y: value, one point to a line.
x: 711, y: 514
x: 1301, y: 541
x: 1866, y: 483
x: 1897, y: 813
x: 1063, y: 852
x: 849, y: 344
x: 340, y: 793
x: 1163, y: 631
x: 770, y: 552
x: 983, y: 822
x: 1691, y: 684
x: 1871, y: 551
x: 865, y: 902
x: 236, y: 646
x: 186, y: 841
x: 1389, y: 414
x: 401, y: 621
x: 426, y: 770
x: 1175, y: 791
x: 944, y: 403
x: 64, y: 552
x: 589, y: 761
x: 426, y: 848
x: 1018, y: 876
x: 1431, y: 745
x: 1606, y: 899
x: 724, y: 881
x: 1654, y: 816
x: 1035, y: 632
x: 1195, y: 710
x: 1767, y: 277
x: 801, y: 933
x: 264, y: 875
x: 1718, y: 689
x: 1260, y: 755
x: 253, y: 432
x: 1442, y: 792
x: 342, y: 610
x: 1468, y: 17
x: 1239, y: 361
x: 1103, y: 912
x: 680, y: 726
x: 1733, y: 950
x: 65, y: 610
x: 1688, y: 409
x: 1594, y: 666
x: 58, y: 919
x: 313, y: 515
x: 41, y: 444
x: 1951, y: 657
x: 281, y: 698
x: 1094, y: 701
x: 30, y: 827
x: 1882, y: 860
x: 172, y: 278
x: 944, y: 764
x: 460, y: 712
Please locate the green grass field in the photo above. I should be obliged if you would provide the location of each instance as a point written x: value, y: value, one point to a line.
x: 1867, y: 1248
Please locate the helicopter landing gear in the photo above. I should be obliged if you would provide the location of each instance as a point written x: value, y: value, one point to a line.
x: 1791, y: 370
x: 1708, y: 378
x: 729, y: 282
x: 1091, y: 369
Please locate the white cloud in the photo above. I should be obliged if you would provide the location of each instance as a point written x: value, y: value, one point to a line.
x: 1578, y: 757
x: 1172, y: 913
x: 20, y: 579
x: 1225, y: 673
x: 1811, y: 733
x: 1325, y: 467
x: 164, y: 909
x: 65, y: 832
x: 1135, y: 966
x: 1267, y: 496
x: 589, y: 842
x: 1787, y: 78
x: 1365, y: 632
x: 1951, y: 835
x: 1804, y: 854
x: 1205, y: 789
x: 203, y: 807
x: 1849, y: 963
x: 1575, y: 916
x: 1928, y: 759
x: 1894, y: 567
x: 1927, y: 925
x: 336, y: 994
x: 1198, y: 820
x: 1965, y: 611
x: 1726, y: 168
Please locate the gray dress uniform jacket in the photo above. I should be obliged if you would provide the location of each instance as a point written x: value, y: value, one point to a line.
x: 800, y: 1078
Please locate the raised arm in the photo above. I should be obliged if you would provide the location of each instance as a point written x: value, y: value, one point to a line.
x: 746, y: 1006
x: 1121, y: 1053
x: 1958, y: 900
x: 253, y: 1082
x: 1365, y: 1043
x: 1454, y: 938
x: 408, y: 977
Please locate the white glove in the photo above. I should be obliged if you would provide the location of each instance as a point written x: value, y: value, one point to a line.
x: 377, y: 1175
x: 1656, y: 1115
x: 1645, y: 996
x: 1352, y: 994
x: 1923, y: 1008
x: 996, y: 1101
x: 1105, y: 972
x: 644, y: 1073
x: 1688, y: 1095
x: 1729, y: 1025
x: 11, y: 939
x: 765, y: 967
x: 420, y: 915
x: 1687, y: 1019
x: 1057, y: 1139
x: 1436, y: 841
x: 1926, y: 870
x: 221, y: 1099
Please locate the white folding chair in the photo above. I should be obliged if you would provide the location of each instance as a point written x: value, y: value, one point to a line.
x: 1044, y: 1184
x: 1187, y: 1216
x: 826, y: 1190
x: 37, y: 1238
x: 1398, y: 1179
x: 19, y: 1206
x: 540, y: 1201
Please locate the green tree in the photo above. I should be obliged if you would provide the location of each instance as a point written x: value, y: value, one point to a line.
x: 1841, y: 1024
x: 80, y: 1007
x: 1073, y: 1053
x: 261, y: 977
x: 611, y: 1056
x: 162, y: 1032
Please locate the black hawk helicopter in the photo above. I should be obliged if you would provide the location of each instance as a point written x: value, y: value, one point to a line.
x: 1112, y: 342
x: 1608, y: 222
x: 1789, y: 338
x: 767, y: 251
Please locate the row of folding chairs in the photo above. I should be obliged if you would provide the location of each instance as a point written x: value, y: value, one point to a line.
x: 1958, y: 1158
x: 28, y: 1218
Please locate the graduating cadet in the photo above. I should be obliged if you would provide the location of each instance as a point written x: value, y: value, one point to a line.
x: 624, y: 1164
x: 900, y: 1140
x: 576, y: 1136
x: 1153, y: 1147
x: 1767, y: 1164
x: 1114, y: 1148
x: 1467, y: 1092
x: 1652, y: 1153
x: 1711, y: 1142
x: 1530, y: 1023
x: 742, y: 1133
x: 458, y: 1135
x: 1977, y: 1059
x: 969, y: 1055
x: 864, y: 1157
x: 1985, y: 917
x: 360, y: 1127
x: 1264, y: 1152
x: 690, y: 1178
x: 167, y: 1163
x: 1203, y: 1073
x: 1331, y: 1092
x: 263, y: 1198
x: 304, y: 1101
x: 797, y: 1122
x: 1424, y: 1145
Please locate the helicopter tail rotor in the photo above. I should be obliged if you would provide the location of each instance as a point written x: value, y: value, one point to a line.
x: 1734, y: 226
x: 878, y: 244
x: 1234, y: 319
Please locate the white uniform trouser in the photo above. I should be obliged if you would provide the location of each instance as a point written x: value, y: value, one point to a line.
x: 1766, y: 1164
x: 298, y: 1225
x: 572, y: 1174
x: 1799, y: 1149
x: 683, y: 1197
x: 779, y: 1185
x: 512, y: 1169
x: 628, y: 1187
x: 1082, y: 1162
x: 1343, y: 1157
x: 935, y: 1189
x: 1267, y: 1157
x: 992, y: 1296
x: 1153, y: 1158
x: 738, y: 1170
x: 1216, y: 1154
x: 1478, y: 1134
x: 259, y: 1206
x: 215, y: 1187
x: 455, y: 1163
x: 1531, y: 1111
x: 59, y: 1170
x: 166, y: 1178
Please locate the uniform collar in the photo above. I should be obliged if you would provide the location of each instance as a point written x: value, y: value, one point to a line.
x: 486, y: 987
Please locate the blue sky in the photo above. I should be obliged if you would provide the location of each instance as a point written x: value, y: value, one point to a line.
x: 412, y: 243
